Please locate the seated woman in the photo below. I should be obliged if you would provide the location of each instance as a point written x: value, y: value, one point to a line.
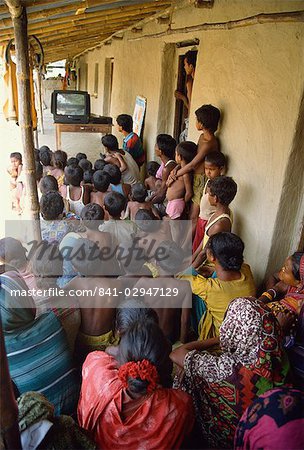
x: 37, y: 350
x: 125, y: 403
x: 222, y: 386
x: 274, y: 421
x: 213, y: 295
x: 285, y: 295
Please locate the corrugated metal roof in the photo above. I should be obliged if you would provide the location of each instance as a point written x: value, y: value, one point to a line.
x: 67, y: 27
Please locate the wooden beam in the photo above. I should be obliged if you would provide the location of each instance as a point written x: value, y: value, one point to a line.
x: 24, y: 107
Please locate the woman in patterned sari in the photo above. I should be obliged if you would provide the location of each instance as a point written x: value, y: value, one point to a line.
x: 222, y: 386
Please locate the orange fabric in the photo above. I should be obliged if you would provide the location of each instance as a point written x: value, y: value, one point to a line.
x: 159, y: 420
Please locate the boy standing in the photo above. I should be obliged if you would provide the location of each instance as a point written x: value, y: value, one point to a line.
x: 132, y: 142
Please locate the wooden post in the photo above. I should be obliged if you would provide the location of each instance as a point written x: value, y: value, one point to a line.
x: 18, y: 14
x: 8, y: 405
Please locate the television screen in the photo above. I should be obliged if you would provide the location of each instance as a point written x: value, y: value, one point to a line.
x: 71, y: 104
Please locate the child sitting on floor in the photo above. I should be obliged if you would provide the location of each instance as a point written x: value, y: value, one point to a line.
x: 78, y: 196
x: 138, y: 201
x: 121, y: 230
x: 100, y: 164
x: 215, y: 164
x: 16, y: 183
x: 46, y: 159
x: 53, y: 229
x: 222, y: 191
x: 233, y: 279
x: 132, y: 142
x: 116, y: 185
x: 180, y: 192
x: 123, y: 160
x: 101, y: 183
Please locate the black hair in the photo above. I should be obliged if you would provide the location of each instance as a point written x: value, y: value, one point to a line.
x: 145, y: 341
x: 187, y: 150
x: 85, y: 164
x: 296, y: 259
x: 166, y: 144
x: 88, y: 176
x: 51, y: 205
x: 45, y: 155
x: 101, y: 181
x: 146, y: 220
x: 208, y: 116
x: 91, y: 214
x: 73, y: 175
x: 99, y: 164
x: 48, y: 183
x: 114, y: 173
x: 191, y: 56
x: 132, y: 311
x: 216, y: 158
x: 38, y: 170
x: 125, y: 122
x: 36, y: 154
x: 115, y: 203
x: 72, y: 162
x: 60, y: 159
x: 110, y: 142
x: 17, y: 156
x: 171, y: 257
x: 228, y: 249
x: 47, y: 264
x: 138, y: 192
x: 84, y: 258
x: 225, y: 188
x: 12, y: 252
x: 81, y: 156
x: 130, y: 258
x: 152, y: 168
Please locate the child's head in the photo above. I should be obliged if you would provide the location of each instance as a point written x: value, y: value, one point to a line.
x: 227, y: 249
x: 47, y: 184
x: 207, y: 116
x: 146, y: 221
x: 171, y: 257
x: 88, y: 176
x: 85, y: 259
x: 113, y: 172
x: 130, y: 312
x: 138, y: 192
x: 131, y: 260
x: 144, y: 341
x: 81, y: 156
x: 51, y: 205
x: 185, y: 152
x: 152, y: 168
x: 91, y: 215
x: 38, y: 170
x: 85, y: 164
x: 101, y: 181
x: 47, y: 265
x: 110, y: 142
x: 115, y: 204
x: 45, y: 155
x: 222, y: 190
x: 60, y: 159
x: 73, y: 175
x: 16, y: 159
x: 12, y: 253
x: 190, y: 61
x: 165, y: 144
x: 73, y: 162
x: 99, y: 164
x: 125, y: 123
x: 215, y: 164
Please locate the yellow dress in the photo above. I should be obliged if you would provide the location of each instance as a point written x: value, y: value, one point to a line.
x: 217, y: 295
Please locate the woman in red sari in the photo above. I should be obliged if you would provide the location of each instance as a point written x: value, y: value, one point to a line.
x: 125, y: 402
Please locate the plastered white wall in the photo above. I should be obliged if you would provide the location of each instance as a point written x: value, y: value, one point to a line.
x: 254, y: 74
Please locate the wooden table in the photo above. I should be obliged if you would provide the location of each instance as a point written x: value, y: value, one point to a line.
x: 80, y: 128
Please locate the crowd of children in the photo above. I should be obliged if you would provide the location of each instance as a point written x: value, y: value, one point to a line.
x: 163, y: 292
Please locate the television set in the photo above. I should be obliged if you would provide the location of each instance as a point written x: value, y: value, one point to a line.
x: 70, y: 106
